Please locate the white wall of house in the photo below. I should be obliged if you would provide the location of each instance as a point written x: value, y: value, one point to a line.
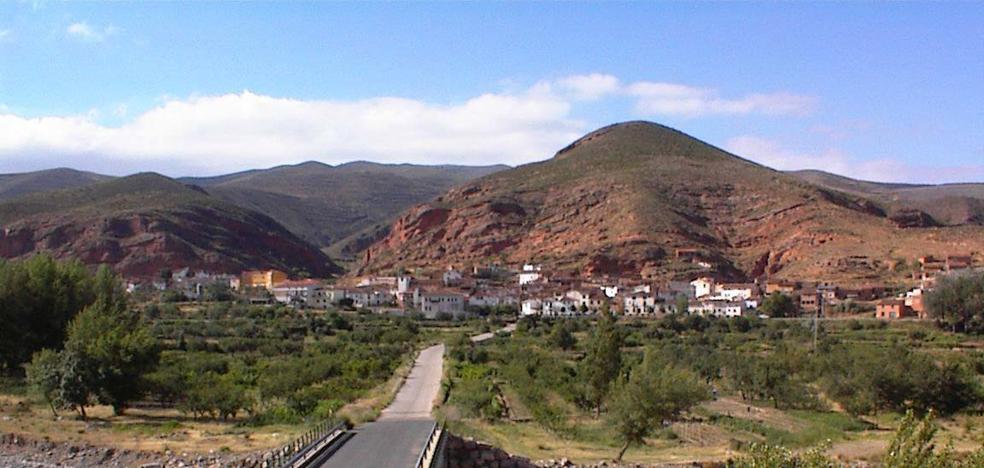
x: 703, y: 286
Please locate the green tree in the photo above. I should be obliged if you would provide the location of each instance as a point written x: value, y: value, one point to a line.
x: 38, y: 297
x: 603, y: 361
x: 561, y: 336
x: 111, y: 339
x: 778, y: 305
x: 78, y: 381
x: 44, y: 375
x: 768, y: 456
x: 958, y: 303
x: 912, y: 446
x: 651, y: 396
x: 682, y: 304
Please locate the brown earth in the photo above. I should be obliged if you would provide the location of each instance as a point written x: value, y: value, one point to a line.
x: 624, y: 198
x: 144, y: 223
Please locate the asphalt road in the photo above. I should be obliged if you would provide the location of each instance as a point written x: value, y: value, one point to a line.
x: 383, y: 444
x: 488, y: 336
x: 416, y: 397
x: 398, y: 436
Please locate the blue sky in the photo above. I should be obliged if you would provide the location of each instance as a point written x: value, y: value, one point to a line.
x: 880, y: 91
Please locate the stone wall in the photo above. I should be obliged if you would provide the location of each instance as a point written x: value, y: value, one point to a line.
x: 20, y: 451
x: 468, y: 453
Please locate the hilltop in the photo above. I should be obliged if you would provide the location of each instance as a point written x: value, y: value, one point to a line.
x: 15, y: 185
x: 146, y: 222
x: 627, y: 198
x: 340, y: 208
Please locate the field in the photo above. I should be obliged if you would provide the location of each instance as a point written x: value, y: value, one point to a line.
x: 273, y: 371
x: 531, y: 396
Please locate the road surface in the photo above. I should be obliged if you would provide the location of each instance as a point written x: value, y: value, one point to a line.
x: 396, y: 439
x: 399, y: 435
x: 489, y: 335
x: 416, y: 398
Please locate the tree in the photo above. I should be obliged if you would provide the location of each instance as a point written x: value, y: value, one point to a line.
x: 78, y: 381
x: 110, y: 338
x: 603, y: 361
x: 762, y: 456
x: 778, y: 305
x: 958, y: 303
x: 561, y: 336
x: 912, y: 446
x: 44, y: 377
x: 218, y: 292
x: 682, y: 304
x: 650, y: 396
x: 38, y: 297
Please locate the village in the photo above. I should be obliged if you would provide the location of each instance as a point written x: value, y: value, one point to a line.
x: 531, y: 290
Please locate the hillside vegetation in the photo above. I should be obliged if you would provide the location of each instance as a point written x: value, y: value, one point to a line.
x: 147, y: 222
x: 947, y: 204
x: 343, y: 208
x: 15, y: 185
x: 622, y: 199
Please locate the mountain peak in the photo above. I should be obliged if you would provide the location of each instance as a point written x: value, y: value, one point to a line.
x: 639, y: 139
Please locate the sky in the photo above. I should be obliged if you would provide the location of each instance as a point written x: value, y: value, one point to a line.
x: 878, y: 91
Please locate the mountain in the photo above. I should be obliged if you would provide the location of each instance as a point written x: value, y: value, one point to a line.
x: 340, y: 208
x: 629, y: 198
x: 143, y: 223
x: 945, y: 204
x: 15, y: 185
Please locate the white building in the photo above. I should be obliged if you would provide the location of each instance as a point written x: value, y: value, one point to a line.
x: 703, y: 286
x: 530, y: 274
x: 491, y: 298
x: 639, y: 304
x: 436, y: 303
x: 531, y: 307
x: 592, y: 300
x: 718, y: 308
x: 308, y: 293
x: 560, y: 307
x: 733, y: 292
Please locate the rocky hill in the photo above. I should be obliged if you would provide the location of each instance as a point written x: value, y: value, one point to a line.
x: 146, y: 222
x: 629, y: 198
x: 340, y: 208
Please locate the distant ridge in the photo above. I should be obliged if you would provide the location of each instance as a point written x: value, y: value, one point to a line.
x: 146, y: 222
x: 946, y: 204
x: 15, y: 185
x: 341, y: 208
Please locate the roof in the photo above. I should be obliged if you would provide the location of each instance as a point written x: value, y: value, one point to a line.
x: 298, y: 283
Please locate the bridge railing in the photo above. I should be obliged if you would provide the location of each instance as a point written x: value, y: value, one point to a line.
x: 430, y: 454
x: 291, y: 453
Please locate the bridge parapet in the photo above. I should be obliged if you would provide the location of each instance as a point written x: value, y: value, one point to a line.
x: 432, y: 456
x: 298, y: 452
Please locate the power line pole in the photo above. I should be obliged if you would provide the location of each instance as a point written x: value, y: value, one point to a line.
x: 816, y: 320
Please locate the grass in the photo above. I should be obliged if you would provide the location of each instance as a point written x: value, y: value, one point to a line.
x: 370, y: 406
x: 154, y: 430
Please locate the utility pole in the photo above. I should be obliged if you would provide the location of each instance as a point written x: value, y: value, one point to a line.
x: 816, y: 320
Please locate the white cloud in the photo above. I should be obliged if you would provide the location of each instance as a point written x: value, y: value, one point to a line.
x: 589, y: 87
x: 5, y: 35
x: 234, y: 131
x: 687, y: 101
x: 675, y: 99
x: 778, y: 156
x: 86, y: 32
x: 213, y: 134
